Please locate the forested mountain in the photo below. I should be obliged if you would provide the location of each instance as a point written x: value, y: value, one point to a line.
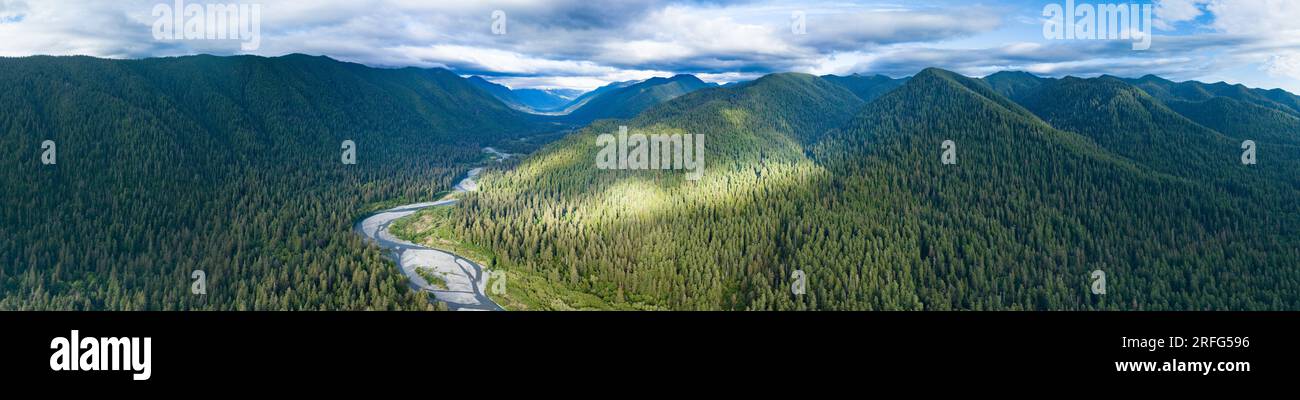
x: 1082, y: 175
x: 651, y: 238
x: 530, y: 100
x: 501, y: 92
x: 627, y: 102
x: 1015, y: 85
x: 1183, y: 97
x: 546, y: 100
x: 866, y: 88
x: 615, y: 100
x: 1241, y: 120
x: 1051, y: 205
x: 1127, y: 121
x: 228, y: 165
x: 582, y: 99
x: 231, y: 166
x: 1167, y: 90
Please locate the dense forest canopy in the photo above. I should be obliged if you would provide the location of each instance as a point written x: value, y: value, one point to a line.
x: 630, y: 100
x: 232, y: 166
x: 1055, y: 179
x: 227, y: 165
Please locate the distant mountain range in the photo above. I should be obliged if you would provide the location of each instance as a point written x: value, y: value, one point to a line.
x: 866, y: 88
x: 528, y: 100
x: 615, y: 100
x: 630, y: 100
x: 582, y: 100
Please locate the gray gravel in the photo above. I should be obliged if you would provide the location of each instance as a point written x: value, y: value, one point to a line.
x: 466, y: 281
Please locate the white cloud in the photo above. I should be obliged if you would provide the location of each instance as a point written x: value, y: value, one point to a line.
x: 1269, y: 17
x: 1275, y: 27
x: 500, y: 61
x: 60, y: 27
x: 682, y: 33
x: 1286, y: 65
x: 581, y: 44
x: 857, y: 29
x: 728, y: 77
x: 1171, y: 12
x: 548, y: 42
x: 12, y: 11
x: 579, y: 82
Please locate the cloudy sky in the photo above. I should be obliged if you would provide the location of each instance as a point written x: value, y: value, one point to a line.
x: 583, y: 44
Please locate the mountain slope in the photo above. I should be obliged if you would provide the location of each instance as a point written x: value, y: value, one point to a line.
x: 582, y: 99
x: 1128, y: 122
x: 1159, y: 133
x: 638, y: 229
x: 1014, y: 85
x: 1167, y: 90
x: 626, y: 102
x: 228, y: 165
x: 1052, y: 205
x: 872, y: 219
x: 866, y: 88
x: 1034, y: 192
x: 542, y: 100
x: 1241, y: 120
x: 528, y: 100
x: 500, y: 92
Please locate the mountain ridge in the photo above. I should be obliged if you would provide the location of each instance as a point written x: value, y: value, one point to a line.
x: 628, y: 101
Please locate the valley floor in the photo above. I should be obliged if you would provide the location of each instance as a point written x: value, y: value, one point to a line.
x: 463, y: 283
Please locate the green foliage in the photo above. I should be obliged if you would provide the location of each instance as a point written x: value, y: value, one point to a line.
x: 1014, y: 85
x: 230, y: 165
x: 626, y: 102
x: 1241, y: 120
x: 867, y: 88
x: 1079, y: 175
x: 431, y: 228
x: 432, y: 277
x: 1167, y: 91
